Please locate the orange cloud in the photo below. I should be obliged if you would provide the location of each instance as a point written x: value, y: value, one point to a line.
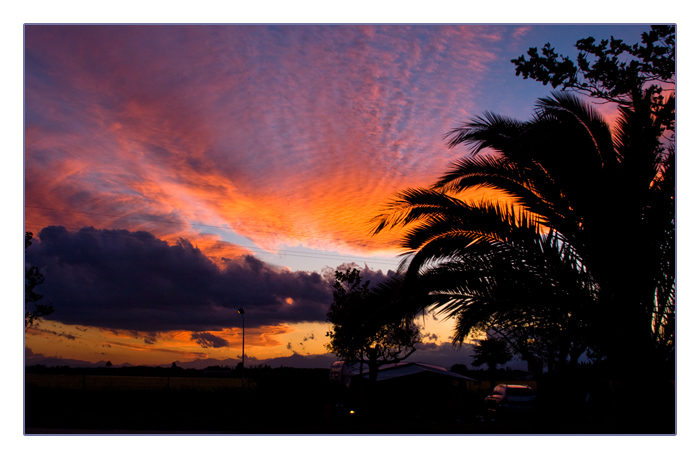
x: 282, y: 142
x: 91, y: 344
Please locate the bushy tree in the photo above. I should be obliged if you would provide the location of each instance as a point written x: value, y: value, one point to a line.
x: 361, y: 329
x: 491, y: 352
x: 612, y: 70
x: 33, y: 278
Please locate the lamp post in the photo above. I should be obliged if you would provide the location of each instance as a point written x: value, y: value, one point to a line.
x: 241, y: 311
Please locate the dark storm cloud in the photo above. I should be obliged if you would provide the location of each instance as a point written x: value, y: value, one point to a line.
x: 117, y: 279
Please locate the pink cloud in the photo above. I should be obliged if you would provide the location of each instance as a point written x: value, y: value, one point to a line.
x: 285, y: 134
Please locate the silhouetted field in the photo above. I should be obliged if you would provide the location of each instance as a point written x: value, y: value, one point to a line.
x: 133, y: 383
x: 296, y: 401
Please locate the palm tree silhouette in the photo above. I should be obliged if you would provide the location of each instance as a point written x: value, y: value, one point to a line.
x: 585, y: 241
x: 494, y: 267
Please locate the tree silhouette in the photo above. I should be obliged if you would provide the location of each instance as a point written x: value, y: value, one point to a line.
x: 459, y: 368
x: 593, y: 203
x: 32, y: 279
x: 581, y: 215
x: 619, y: 73
x: 491, y: 352
x: 361, y: 328
x: 636, y: 77
x: 492, y: 267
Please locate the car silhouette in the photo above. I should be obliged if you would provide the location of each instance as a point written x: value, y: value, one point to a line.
x: 510, y: 399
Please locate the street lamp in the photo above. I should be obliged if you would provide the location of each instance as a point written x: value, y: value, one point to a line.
x: 241, y: 311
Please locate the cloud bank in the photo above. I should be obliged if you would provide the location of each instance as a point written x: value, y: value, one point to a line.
x: 117, y: 279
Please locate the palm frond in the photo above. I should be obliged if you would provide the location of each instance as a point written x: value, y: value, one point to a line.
x: 564, y: 106
x: 409, y: 206
x: 488, y: 131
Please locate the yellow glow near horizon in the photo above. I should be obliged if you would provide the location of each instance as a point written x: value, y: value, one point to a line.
x: 91, y: 344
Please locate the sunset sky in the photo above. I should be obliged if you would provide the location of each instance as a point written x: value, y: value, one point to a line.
x: 174, y: 174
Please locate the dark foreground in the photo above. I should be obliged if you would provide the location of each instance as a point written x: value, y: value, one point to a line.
x: 304, y: 402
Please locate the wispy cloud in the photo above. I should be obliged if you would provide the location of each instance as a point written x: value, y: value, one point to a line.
x: 285, y: 134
